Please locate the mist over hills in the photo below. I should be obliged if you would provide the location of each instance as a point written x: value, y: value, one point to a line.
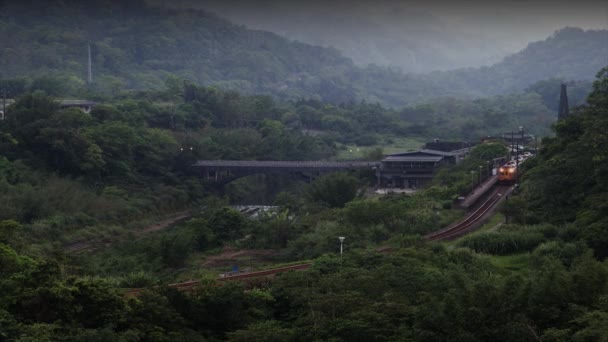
x: 136, y: 45
x: 416, y: 36
x: 569, y: 54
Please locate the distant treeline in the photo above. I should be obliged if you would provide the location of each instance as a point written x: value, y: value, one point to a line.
x: 136, y: 46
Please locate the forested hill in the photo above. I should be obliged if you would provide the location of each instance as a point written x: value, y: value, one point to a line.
x: 569, y: 54
x: 135, y: 45
x: 138, y: 46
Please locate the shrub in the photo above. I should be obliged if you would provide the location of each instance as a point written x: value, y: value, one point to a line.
x: 503, y: 243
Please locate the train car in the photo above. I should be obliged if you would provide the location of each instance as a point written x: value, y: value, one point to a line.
x: 507, y: 174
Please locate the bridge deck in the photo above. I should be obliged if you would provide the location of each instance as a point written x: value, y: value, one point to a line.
x: 283, y: 164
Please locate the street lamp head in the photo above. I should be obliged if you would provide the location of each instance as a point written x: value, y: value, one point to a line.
x: 341, y: 238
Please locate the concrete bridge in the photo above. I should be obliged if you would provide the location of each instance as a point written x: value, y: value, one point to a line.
x: 225, y: 171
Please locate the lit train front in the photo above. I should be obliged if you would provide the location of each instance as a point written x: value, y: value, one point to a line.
x: 507, y: 174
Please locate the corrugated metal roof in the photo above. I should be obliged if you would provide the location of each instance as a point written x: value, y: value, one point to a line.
x: 427, y: 152
x: 284, y: 164
x: 413, y: 158
x: 441, y: 153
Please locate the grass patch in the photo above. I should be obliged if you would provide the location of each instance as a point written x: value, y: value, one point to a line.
x: 389, y: 145
x: 513, y: 263
x: 492, y: 222
x: 403, y: 144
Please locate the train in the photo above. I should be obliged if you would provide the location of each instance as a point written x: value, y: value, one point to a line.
x: 507, y: 174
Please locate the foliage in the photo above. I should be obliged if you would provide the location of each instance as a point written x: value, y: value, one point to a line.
x: 67, y: 176
x: 568, y: 181
x: 132, y: 49
x: 462, y: 177
x: 506, y: 241
x: 334, y: 190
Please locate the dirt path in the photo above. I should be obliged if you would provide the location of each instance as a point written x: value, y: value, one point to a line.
x: 92, y: 245
x: 230, y: 256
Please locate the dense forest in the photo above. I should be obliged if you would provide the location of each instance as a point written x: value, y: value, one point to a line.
x: 172, y: 87
x: 542, y: 276
x: 136, y: 46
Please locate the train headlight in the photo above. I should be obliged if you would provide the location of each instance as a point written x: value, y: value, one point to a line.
x: 511, y: 170
x: 501, y: 170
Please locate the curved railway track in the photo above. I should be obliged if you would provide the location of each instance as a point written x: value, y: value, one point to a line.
x: 471, y: 219
x: 451, y: 232
x: 189, y: 285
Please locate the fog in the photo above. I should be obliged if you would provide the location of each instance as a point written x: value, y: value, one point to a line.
x: 413, y: 35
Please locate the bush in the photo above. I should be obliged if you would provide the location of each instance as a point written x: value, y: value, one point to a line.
x: 502, y: 243
x: 334, y: 190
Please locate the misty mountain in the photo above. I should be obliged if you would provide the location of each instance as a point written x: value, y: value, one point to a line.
x: 569, y: 54
x: 138, y: 46
x: 391, y: 35
x: 135, y: 45
x: 415, y: 36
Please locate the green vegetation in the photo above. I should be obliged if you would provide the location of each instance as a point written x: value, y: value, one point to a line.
x: 137, y: 46
x: 567, y: 183
x: 68, y: 176
x: 460, y: 179
x: 508, y: 239
x: 547, y: 279
x: 417, y: 293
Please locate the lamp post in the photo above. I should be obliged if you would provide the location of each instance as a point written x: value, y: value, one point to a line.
x: 480, y: 168
x: 472, y: 180
x: 341, y: 238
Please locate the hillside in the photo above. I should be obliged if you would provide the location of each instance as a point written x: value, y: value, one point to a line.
x: 136, y: 46
x: 417, y: 37
x: 541, y: 276
x: 569, y: 54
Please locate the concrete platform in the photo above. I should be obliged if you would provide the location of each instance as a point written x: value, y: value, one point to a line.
x: 473, y: 197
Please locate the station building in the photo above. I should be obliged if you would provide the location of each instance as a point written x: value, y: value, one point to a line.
x: 414, y: 169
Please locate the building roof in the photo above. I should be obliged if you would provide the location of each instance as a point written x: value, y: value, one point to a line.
x: 441, y: 153
x: 422, y: 153
x: 398, y: 158
x: 285, y: 164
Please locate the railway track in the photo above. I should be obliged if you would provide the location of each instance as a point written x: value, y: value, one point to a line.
x: 189, y: 285
x: 471, y: 219
x: 451, y: 232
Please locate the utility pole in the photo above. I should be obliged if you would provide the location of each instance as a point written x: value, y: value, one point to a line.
x: 90, y: 67
x: 472, y: 180
x: 564, y: 109
x: 507, y: 209
x: 521, y: 129
x: 511, y: 151
x: 3, y: 100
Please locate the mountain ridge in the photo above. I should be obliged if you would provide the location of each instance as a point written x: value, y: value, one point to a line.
x: 136, y: 46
